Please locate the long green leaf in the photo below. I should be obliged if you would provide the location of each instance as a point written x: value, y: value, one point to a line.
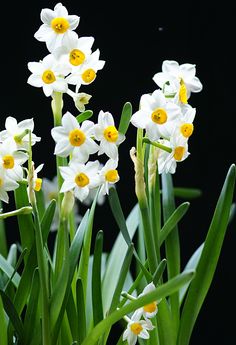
x: 160, y: 292
x: 208, y: 261
x: 3, y: 239
x: 12, y: 314
x: 3, y: 325
x: 80, y: 311
x: 47, y: 219
x: 71, y: 313
x: 9, y: 271
x: 125, y: 118
x: 84, y: 116
x: 172, y: 221
x: 96, y: 279
x: 187, y: 193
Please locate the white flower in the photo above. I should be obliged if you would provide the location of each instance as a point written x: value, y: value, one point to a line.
x: 86, y: 73
x: 37, y: 182
x: 151, y: 309
x: 80, y: 99
x: 181, y: 78
x: 185, y: 125
x: 73, y: 138
x: 109, y: 137
x: 57, y: 27
x: 156, y: 115
x: 6, y: 185
x: 167, y: 162
x: 137, y: 328
x: 108, y: 175
x: 80, y: 178
x: 92, y: 193
x: 11, y: 160
x: 49, y: 75
x: 75, y: 52
x: 16, y: 131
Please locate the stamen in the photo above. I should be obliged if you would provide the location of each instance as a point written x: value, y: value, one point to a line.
x: 112, y: 176
x: 48, y: 77
x: 179, y: 152
x: 136, y: 328
x: 150, y: 308
x: 111, y: 134
x: 77, y: 57
x: 187, y: 129
x: 38, y: 184
x: 159, y: 116
x: 60, y: 25
x: 81, y: 180
x: 8, y: 162
x: 89, y: 75
x: 77, y: 137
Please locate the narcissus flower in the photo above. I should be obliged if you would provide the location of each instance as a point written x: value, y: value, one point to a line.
x: 137, y: 328
x: 86, y: 73
x: 109, y: 137
x: 156, y: 115
x: 57, y: 27
x: 6, y: 185
x: 12, y: 160
x: 73, y: 138
x: 80, y: 99
x: 185, y: 125
x: 17, y: 132
x: 37, y: 181
x: 80, y: 178
x: 49, y: 75
x: 151, y: 309
x: 108, y: 175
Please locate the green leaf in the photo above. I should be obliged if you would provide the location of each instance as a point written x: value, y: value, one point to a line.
x: 40, y: 203
x: 80, y: 311
x: 125, y: 118
x: 208, y: 261
x: 172, y: 221
x: 17, y: 265
x: 12, y: 314
x: 84, y: 116
x: 160, y: 292
x: 96, y: 279
x: 71, y: 313
x: 114, y: 264
x: 47, y: 219
x: 9, y: 271
x: 31, y: 311
x: 187, y: 193
x: 192, y: 264
x: 3, y: 325
x: 3, y: 239
x: 159, y: 271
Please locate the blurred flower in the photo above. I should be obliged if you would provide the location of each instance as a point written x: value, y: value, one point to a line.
x: 137, y: 328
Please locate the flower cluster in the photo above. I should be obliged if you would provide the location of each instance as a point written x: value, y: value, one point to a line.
x: 166, y: 115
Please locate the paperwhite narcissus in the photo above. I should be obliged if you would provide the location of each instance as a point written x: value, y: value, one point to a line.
x: 167, y: 162
x: 16, y: 132
x: 57, y: 27
x: 183, y: 76
x: 12, y: 160
x: 151, y: 309
x: 86, y: 73
x: 158, y: 116
x: 80, y: 99
x: 185, y: 124
x: 6, y: 185
x: 49, y: 75
x: 73, y: 138
x: 80, y: 178
x: 108, y: 175
x: 137, y: 328
x: 109, y: 137
x: 37, y: 181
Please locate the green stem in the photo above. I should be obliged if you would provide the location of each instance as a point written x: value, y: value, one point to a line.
x: 3, y: 239
x: 155, y: 143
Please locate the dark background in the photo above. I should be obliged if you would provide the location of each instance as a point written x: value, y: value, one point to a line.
x: 134, y: 41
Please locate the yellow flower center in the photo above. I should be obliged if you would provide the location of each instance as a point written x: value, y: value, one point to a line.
x: 159, y: 116
x: 8, y: 162
x: 77, y: 57
x: 48, y: 77
x: 76, y: 137
x: 183, y: 97
x: 111, y: 134
x: 38, y: 184
x: 81, y: 180
x: 136, y: 328
x: 89, y: 75
x: 179, y: 152
x: 112, y: 176
x: 187, y: 129
x: 150, y: 308
x: 60, y: 25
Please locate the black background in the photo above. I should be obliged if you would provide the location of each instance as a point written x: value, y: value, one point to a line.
x: 134, y: 40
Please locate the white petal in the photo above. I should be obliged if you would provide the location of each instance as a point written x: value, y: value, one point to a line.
x: 3, y: 195
x: 81, y: 193
x: 110, y: 149
x: 10, y: 185
x: 150, y: 287
x: 54, y: 40
x: 63, y: 148
x: 48, y: 90
x: 36, y: 67
x: 120, y: 139
x: 60, y: 10
x: 98, y: 132
x: 160, y: 79
x: 58, y: 133
x: 170, y: 66
x: 153, y: 131
x: 74, y: 21
x: 144, y: 334
x: 66, y: 173
x: 11, y: 124
x: 35, y: 80
x: 139, y: 119
x: 20, y: 157
x: 194, y: 85
x: 105, y: 119
x: 69, y: 122
x: 43, y: 33
x: 60, y: 85
x: 67, y: 185
x: 68, y: 36
x: 47, y: 15
x: 188, y: 71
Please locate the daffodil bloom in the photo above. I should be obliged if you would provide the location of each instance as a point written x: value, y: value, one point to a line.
x: 185, y: 124
x: 6, y: 185
x: 49, y: 75
x: 37, y: 181
x: 108, y: 135
x: 86, y: 73
x: 12, y: 160
x: 158, y: 116
x: 151, y: 309
x: 80, y: 178
x: 137, y: 328
x: 80, y: 99
x: 108, y: 175
x: 167, y: 162
x: 73, y: 138
x: 75, y: 52
x: 17, y: 132
x: 57, y: 27
x: 182, y: 76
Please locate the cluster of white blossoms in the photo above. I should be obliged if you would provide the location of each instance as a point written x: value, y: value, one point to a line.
x: 166, y: 115
x: 70, y: 60
x: 140, y: 324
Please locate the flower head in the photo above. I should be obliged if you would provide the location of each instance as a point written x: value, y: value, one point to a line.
x: 109, y: 137
x: 57, y: 27
x: 6, y: 185
x: 137, y: 328
x: 73, y: 138
x: 151, y: 309
x: 108, y: 175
